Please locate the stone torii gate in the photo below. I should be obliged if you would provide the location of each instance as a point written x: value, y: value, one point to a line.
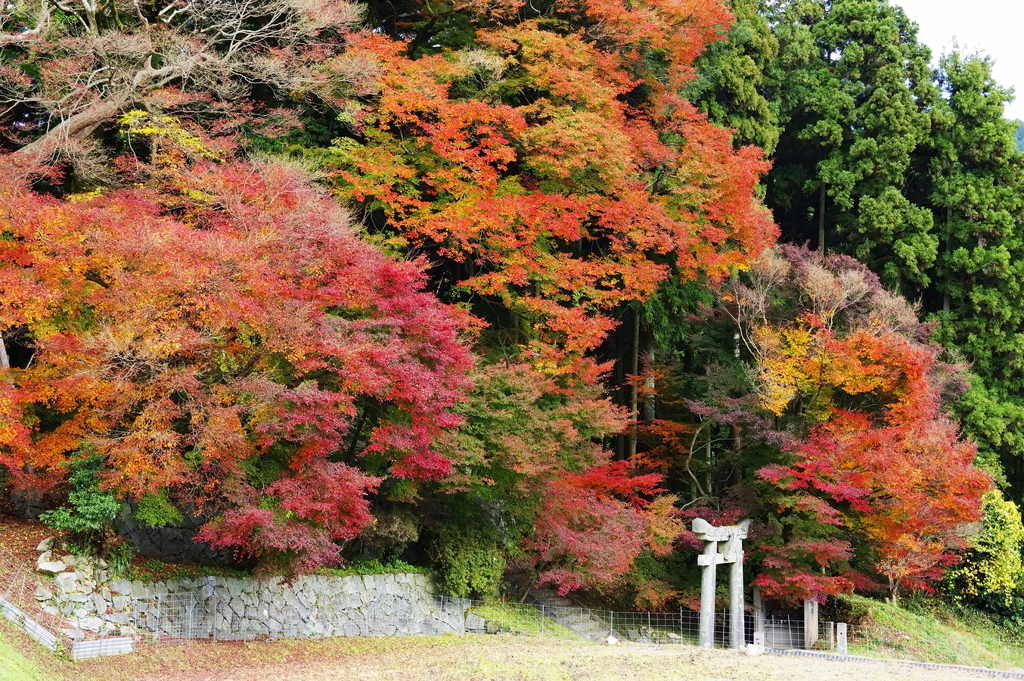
x: 733, y: 536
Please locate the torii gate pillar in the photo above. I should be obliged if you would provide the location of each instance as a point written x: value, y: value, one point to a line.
x: 732, y: 536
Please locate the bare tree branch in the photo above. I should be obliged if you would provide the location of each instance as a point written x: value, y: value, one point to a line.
x: 208, y: 50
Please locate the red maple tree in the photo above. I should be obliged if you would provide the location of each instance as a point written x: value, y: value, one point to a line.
x: 214, y: 338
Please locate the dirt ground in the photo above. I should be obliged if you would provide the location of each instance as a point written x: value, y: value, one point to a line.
x: 20, y: 538
x: 522, y: 661
x: 451, y: 658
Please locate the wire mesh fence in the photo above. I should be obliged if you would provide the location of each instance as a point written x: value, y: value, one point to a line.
x: 169, y: 619
x: 19, y: 603
x: 791, y: 633
x: 579, y: 623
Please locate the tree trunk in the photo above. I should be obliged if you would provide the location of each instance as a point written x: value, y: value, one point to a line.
x: 737, y: 449
x: 5, y: 362
x: 949, y: 251
x: 620, y: 391
x: 634, y: 370
x: 76, y: 127
x: 709, y: 460
x: 821, y: 219
x: 649, y: 386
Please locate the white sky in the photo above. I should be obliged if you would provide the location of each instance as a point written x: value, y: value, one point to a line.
x: 992, y: 27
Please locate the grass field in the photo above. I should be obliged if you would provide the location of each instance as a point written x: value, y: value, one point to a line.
x: 438, y: 658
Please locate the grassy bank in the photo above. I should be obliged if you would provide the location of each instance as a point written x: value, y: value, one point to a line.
x: 928, y: 631
x: 22, y: 659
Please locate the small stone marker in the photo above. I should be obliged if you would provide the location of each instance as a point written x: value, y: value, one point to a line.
x: 732, y: 536
x: 758, y: 613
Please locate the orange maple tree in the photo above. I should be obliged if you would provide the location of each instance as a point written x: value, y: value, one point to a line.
x: 847, y: 372
x: 553, y: 168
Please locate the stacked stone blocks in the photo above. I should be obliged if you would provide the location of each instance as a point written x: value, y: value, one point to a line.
x: 93, y: 602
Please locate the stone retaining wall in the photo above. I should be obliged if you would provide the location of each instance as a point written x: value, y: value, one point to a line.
x: 91, y: 601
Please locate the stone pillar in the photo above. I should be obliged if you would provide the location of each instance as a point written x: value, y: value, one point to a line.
x: 758, y: 610
x: 734, y: 556
x: 810, y: 623
x: 841, y: 638
x: 708, y: 578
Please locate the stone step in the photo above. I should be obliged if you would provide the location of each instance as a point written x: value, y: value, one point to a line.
x: 550, y: 598
x: 573, y: 617
x: 555, y: 601
x: 590, y: 626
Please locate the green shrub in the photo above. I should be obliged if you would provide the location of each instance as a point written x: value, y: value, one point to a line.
x: 90, y: 510
x: 154, y: 510
x: 469, y: 560
x: 992, y: 570
x: 120, y: 558
x: 370, y: 567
